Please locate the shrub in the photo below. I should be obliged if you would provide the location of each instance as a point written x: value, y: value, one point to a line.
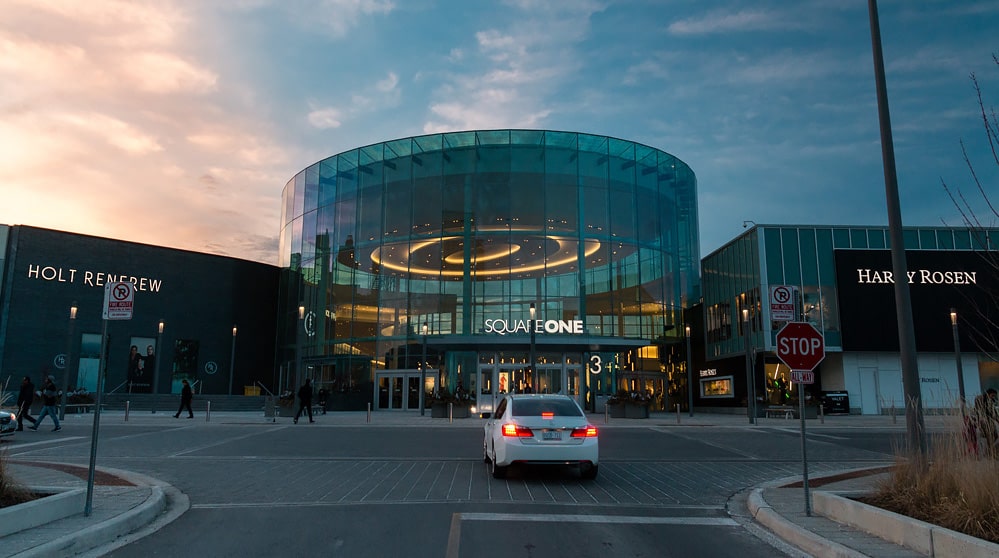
x: 11, y: 493
x: 957, y: 489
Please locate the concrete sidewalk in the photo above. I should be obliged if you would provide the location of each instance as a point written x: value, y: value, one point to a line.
x: 125, y: 507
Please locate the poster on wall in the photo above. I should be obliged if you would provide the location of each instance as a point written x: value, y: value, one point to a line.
x: 141, y: 364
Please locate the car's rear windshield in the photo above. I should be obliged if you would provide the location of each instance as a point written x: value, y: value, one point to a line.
x: 536, y: 407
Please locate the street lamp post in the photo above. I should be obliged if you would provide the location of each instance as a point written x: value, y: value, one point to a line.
x: 957, y: 358
x: 690, y: 375
x: 68, y: 361
x: 750, y: 381
x: 232, y: 358
x: 531, y: 358
x: 423, y: 371
x: 298, y: 347
x: 156, y: 364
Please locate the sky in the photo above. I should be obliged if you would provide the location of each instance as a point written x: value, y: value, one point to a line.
x: 178, y: 122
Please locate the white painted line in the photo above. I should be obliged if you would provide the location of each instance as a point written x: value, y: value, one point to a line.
x: 15, y: 449
x: 611, y: 519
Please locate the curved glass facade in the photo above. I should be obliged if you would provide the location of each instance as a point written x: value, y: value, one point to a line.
x: 434, y: 248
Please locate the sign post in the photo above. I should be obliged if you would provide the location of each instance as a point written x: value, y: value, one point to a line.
x: 801, y: 347
x: 118, y: 301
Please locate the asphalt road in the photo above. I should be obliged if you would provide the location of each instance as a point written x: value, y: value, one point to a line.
x: 266, y: 489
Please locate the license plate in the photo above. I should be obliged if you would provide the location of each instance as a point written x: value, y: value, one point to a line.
x: 551, y: 435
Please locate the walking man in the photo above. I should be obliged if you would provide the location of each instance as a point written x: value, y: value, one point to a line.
x: 305, y: 400
x: 50, y: 398
x: 186, y: 396
x: 24, y: 400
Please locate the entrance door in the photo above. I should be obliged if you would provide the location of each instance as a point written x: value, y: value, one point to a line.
x: 397, y: 390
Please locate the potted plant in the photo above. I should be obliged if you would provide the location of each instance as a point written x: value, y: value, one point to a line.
x: 616, y: 404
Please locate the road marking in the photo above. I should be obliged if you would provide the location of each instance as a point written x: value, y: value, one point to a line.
x: 19, y: 446
x: 610, y: 519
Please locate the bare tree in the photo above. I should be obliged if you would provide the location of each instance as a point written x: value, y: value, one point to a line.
x: 982, y: 222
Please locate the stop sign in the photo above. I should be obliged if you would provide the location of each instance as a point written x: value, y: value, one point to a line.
x: 800, y: 346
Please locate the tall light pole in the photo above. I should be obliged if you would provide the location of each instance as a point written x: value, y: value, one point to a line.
x: 690, y: 375
x: 750, y: 381
x: 957, y: 358
x: 298, y: 347
x: 423, y: 370
x: 530, y: 365
x: 68, y: 361
x: 232, y: 358
x: 156, y: 363
x: 914, y: 424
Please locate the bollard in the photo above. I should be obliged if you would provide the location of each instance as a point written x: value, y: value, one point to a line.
x: 822, y: 416
x: 127, y: 405
x: 369, y: 412
x: 678, y: 413
x: 450, y: 412
x: 606, y: 415
x: 208, y: 412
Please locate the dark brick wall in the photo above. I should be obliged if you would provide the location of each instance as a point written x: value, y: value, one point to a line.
x: 199, y: 296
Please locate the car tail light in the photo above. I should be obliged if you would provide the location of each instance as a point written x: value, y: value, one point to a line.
x: 517, y: 431
x: 588, y: 431
x: 548, y: 416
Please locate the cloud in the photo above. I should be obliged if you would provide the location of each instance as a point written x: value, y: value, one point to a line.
x: 325, y: 118
x: 335, y: 18
x: 720, y: 21
x: 507, y: 80
x: 116, y: 122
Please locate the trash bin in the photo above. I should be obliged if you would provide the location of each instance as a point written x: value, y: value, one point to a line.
x: 835, y: 402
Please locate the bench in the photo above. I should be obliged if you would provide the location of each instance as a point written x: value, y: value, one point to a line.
x: 780, y: 411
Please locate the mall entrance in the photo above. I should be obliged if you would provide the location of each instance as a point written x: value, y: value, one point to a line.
x: 399, y: 390
x: 500, y: 373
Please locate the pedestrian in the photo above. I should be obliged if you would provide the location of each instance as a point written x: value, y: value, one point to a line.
x: 186, y: 395
x: 305, y: 400
x: 987, y: 420
x: 50, y: 398
x: 24, y: 400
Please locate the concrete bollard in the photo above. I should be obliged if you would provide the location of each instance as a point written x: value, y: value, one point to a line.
x: 208, y: 412
x: 678, y: 413
x: 127, y: 405
x: 450, y: 412
x: 369, y: 413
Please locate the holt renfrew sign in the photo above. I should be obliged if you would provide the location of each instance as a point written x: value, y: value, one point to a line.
x: 91, y: 278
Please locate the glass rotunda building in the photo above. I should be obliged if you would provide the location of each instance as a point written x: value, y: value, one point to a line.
x: 484, y: 262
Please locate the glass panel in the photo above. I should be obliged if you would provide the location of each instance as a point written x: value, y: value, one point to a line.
x: 775, y: 259
x: 927, y: 239
x: 841, y: 238
x: 910, y: 237
x: 858, y: 238
x: 792, y: 264
x: 876, y: 239
x: 945, y: 239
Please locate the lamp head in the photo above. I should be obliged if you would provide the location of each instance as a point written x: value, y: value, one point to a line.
x: 159, y: 328
x: 953, y: 317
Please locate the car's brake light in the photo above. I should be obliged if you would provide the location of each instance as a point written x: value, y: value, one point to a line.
x: 548, y: 416
x: 517, y: 431
x: 588, y: 432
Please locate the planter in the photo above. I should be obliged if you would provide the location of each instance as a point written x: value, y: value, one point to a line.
x: 616, y: 410
x: 438, y: 410
x: 460, y: 411
x: 633, y: 411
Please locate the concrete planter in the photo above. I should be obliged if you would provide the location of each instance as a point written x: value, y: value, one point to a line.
x: 56, y: 504
x: 634, y: 411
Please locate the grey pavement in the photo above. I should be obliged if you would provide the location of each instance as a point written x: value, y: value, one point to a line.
x: 125, y: 511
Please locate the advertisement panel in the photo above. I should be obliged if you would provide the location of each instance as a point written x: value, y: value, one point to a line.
x: 938, y: 281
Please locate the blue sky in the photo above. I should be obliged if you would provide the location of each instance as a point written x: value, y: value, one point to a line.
x: 178, y: 122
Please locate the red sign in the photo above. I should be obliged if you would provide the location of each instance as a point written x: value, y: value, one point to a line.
x: 118, y: 300
x: 800, y: 346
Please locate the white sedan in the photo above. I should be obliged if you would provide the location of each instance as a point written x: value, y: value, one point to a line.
x: 540, y: 429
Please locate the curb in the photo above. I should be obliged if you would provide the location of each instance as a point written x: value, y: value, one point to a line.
x: 923, y: 537
x: 799, y: 536
x: 57, y: 503
x: 116, y: 529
